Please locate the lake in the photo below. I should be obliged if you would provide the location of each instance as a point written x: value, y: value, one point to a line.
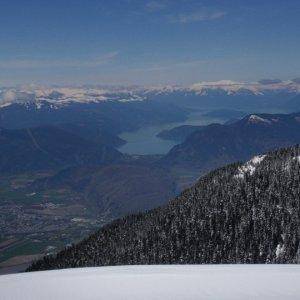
x: 144, y: 140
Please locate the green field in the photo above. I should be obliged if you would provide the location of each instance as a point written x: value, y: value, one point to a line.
x: 24, y: 248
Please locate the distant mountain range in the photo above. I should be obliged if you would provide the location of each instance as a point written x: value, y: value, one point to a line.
x: 241, y: 213
x: 262, y: 96
x: 216, y: 145
x: 60, y: 95
x: 220, y: 94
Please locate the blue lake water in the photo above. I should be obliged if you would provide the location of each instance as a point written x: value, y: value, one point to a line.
x: 144, y: 141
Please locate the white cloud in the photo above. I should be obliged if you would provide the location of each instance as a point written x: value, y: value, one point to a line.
x: 155, y: 6
x: 198, y: 16
x: 39, y: 63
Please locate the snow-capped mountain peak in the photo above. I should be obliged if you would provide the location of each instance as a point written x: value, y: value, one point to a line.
x: 257, y: 119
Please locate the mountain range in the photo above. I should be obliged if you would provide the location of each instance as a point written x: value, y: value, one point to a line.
x: 62, y: 175
x: 115, y: 184
x: 63, y: 94
x: 220, y: 94
x: 100, y: 122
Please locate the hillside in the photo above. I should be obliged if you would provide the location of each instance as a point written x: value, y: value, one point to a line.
x: 180, y: 133
x: 216, y: 145
x: 242, y: 213
x: 229, y: 282
x: 49, y: 147
x: 114, y: 190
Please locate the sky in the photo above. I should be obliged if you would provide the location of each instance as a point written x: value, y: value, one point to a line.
x: 147, y: 42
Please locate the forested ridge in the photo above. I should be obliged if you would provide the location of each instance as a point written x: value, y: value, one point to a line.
x: 241, y: 213
x: 217, y: 145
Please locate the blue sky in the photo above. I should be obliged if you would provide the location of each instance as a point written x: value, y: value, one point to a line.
x: 147, y: 42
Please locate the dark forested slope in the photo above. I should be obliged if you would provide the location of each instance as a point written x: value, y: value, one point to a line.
x: 49, y: 147
x: 242, y: 213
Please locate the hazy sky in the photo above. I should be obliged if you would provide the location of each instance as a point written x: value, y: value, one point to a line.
x: 147, y: 42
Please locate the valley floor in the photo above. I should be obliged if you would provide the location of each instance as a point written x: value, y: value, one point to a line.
x: 222, y: 282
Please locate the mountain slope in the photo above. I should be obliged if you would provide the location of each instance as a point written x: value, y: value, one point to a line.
x: 114, y: 190
x: 178, y: 134
x: 49, y: 147
x: 216, y: 145
x: 242, y: 213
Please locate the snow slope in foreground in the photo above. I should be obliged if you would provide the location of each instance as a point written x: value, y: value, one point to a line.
x: 216, y: 282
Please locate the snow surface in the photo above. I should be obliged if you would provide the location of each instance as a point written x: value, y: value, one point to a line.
x: 195, y: 282
x: 250, y: 166
x: 287, y: 165
x: 258, y: 119
x: 297, y: 158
